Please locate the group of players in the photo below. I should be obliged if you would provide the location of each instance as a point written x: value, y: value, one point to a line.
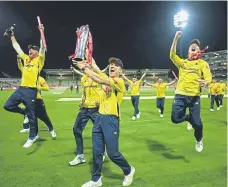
x: 216, y: 92
x: 101, y: 100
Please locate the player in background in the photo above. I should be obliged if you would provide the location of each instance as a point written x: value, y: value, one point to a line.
x: 88, y: 111
x: 160, y: 92
x: 187, y: 94
x: 222, y: 91
x: 71, y: 88
x: 214, y: 92
x: 40, y: 109
x: 135, y: 93
x: 27, y: 92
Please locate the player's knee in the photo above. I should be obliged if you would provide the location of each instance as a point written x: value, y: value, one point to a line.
x: 175, y: 118
x: 7, y: 107
x: 98, y: 152
x: 76, y: 130
x: 112, y: 155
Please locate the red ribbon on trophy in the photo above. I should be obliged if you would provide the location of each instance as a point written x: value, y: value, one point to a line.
x: 84, y: 42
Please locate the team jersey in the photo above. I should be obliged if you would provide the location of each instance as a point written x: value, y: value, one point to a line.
x: 189, y: 74
x: 214, y: 88
x: 135, y: 87
x: 41, y: 83
x: 160, y: 89
x: 111, y: 96
x: 91, y: 92
x: 31, y: 70
x: 42, y: 86
x: 222, y: 88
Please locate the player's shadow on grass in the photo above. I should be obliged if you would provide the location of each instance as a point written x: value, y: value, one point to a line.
x: 154, y: 145
x: 37, y: 145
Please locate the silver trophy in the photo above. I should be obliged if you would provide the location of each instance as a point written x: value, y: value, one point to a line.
x: 10, y: 31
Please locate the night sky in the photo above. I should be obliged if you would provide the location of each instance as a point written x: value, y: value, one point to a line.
x: 139, y: 33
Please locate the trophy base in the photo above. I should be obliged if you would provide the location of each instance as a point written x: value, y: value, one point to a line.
x: 78, y: 59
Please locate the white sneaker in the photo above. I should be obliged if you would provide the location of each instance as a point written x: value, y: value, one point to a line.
x: 138, y: 115
x: 53, y: 134
x: 79, y: 159
x: 129, y: 178
x: 93, y: 184
x: 159, y: 110
x: 212, y: 110
x: 199, y: 146
x: 189, y: 126
x: 26, y: 120
x: 218, y: 108
x: 133, y: 118
x: 24, y: 130
x: 161, y: 115
x: 29, y: 142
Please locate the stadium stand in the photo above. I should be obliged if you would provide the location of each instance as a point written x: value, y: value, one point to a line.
x: 218, y: 63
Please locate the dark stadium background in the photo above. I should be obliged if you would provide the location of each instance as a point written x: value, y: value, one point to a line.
x: 140, y: 33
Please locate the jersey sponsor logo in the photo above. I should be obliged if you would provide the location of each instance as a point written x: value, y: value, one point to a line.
x: 93, y: 86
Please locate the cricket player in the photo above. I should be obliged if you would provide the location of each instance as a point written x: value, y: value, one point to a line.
x: 222, y: 91
x: 188, y: 88
x: 214, y: 92
x: 88, y: 111
x: 27, y: 92
x: 106, y: 125
x: 40, y: 110
x: 71, y: 88
x: 160, y: 90
x: 135, y: 94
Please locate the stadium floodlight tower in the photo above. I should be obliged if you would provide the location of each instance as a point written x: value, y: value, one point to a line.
x: 180, y: 19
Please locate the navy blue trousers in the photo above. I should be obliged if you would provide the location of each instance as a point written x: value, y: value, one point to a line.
x: 160, y: 104
x: 135, y: 103
x: 41, y: 113
x: 221, y: 99
x: 84, y: 115
x: 180, y: 104
x: 215, y: 99
x: 27, y: 96
x: 106, y: 132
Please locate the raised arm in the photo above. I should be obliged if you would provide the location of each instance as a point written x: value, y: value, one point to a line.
x: 94, y: 66
x: 93, y: 75
x: 125, y: 78
x: 76, y: 71
x: 173, y: 56
x: 16, y: 46
x: 105, y: 69
x: 171, y: 83
x: 98, y: 77
x: 42, y: 49
x: 153, y: 85
x: 143, y: 76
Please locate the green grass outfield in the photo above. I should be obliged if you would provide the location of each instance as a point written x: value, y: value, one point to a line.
x: 163, y: 153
